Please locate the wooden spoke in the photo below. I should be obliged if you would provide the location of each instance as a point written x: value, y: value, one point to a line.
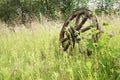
x: 86, y: 28
x: 82, y: 23
x: 66, y: 47
x: 65, y: 39
x: 77, y: 20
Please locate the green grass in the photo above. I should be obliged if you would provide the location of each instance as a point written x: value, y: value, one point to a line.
x: 36, y: 55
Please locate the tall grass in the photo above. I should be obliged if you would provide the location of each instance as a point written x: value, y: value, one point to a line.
x: 36, y: 55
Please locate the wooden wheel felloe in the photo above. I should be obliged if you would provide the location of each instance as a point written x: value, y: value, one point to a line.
x: 80, y: 23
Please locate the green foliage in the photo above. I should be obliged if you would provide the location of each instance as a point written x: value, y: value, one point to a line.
x: 27, y: 10
x: 105, y: 6
x: 7, y: 13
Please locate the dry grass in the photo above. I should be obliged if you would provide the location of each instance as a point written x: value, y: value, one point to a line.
x: 34, y: 54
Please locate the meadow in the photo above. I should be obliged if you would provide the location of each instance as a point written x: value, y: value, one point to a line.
x: 35, y: 54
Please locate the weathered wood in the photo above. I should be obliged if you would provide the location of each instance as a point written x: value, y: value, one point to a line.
x: 73, y: 31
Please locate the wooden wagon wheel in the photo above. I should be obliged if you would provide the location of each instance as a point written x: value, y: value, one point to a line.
x: 79, y: 23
